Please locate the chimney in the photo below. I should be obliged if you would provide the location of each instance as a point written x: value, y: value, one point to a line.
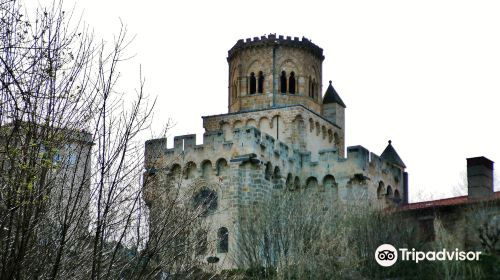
x: 479, y: 177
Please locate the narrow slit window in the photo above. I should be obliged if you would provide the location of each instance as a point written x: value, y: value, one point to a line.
x: 316, y: 90
x: 223, y: 238
x: 252, y: 83
x: 291, y: 83
x: 234, y: 91
x: 313, y: 89
x: 310, y: 84
x: 283, y: 82
x: 260, y: 85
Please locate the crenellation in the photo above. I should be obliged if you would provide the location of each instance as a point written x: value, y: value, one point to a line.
x: 271, y: 39
x: 375, y: 161
x: 274, y: 140
x: 213, y: 138
x: 199, y: 148
x: 184, y: 142
x: 359, y: 154
x: 249, y: 138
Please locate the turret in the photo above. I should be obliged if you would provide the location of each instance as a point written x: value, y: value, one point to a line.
x: 390, y: 155
x: 274, y: 71
x: 333, y: 107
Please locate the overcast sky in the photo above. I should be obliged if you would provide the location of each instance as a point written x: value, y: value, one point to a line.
x: 424, y: 74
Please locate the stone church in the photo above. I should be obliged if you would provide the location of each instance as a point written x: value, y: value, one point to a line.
x: 280, y: 134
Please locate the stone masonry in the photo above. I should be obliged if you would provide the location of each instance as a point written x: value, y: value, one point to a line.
x: 279, y: 135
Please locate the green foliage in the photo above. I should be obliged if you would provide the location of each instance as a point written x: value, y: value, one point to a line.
x: 490, y: 266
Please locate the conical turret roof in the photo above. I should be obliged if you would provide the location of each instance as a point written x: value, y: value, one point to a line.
x: 392, y: 156
x: 331, y: 96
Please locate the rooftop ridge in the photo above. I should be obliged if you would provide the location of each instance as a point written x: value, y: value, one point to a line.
x: 272, y: 39
x: 449, y: 201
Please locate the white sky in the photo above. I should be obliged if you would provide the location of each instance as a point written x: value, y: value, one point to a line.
x: 424, y: 74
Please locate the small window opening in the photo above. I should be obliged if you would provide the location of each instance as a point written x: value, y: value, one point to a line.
x: 313, y: 89
x: 291, y: 83
x: 309, y: 88
x: 283, y: 82
x: 252, y: 83
x: 223, y: 238
x: 260, y: 86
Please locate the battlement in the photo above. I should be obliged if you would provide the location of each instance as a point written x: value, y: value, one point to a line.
x: 250, y: 140
x: 280, y: 135
x: 273, y: 40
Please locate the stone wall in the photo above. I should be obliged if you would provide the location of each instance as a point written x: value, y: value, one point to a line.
x: 297, y: 126
x: 289, y: 56
x: 272, y: 141
x: 252, y: 165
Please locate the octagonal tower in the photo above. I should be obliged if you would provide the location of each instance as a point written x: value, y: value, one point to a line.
x: 271, y: 72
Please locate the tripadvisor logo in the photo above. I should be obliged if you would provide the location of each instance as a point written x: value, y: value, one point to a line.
x: 387, y: 255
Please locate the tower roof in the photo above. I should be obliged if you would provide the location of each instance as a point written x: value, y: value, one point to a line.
x: 331, y: 96
x: 392, y: 156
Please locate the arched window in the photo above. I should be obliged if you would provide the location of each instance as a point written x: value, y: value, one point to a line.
x: 283, y: 81
x: 336, y: 139
x: 206, y: 169
x: 223, y: 240
x: 289, y: 182
x: 389, y: 193
x: 316, y: 92
x: 190, y: 170
x: 311, y: 182
x: 330, y: 185
x: 175, y: 171
x: 205, y: 200
x: 252, y: 83
x: 380, y: 189
x: 309, y: 88
x: 260, y: 85
x: 269, y: 171
x: 277, y: 181
x: 313, y: 89
x: 296, y: 183
x: 235, y: 93
x: 291, y: 82
x: 397, y: 196
x: 221, y: 167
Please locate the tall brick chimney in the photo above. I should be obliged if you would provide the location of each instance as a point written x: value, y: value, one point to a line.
x: 479, y: 177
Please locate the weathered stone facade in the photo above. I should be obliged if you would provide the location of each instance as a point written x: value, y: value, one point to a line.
x: 285, y: 71
x: 276, y: 138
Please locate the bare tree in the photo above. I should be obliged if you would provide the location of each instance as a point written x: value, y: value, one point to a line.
x: 177, y: 232
x: 71, y: 193
x: 300, y: 235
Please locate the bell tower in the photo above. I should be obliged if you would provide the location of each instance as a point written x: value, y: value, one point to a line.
x: 274, y: 71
